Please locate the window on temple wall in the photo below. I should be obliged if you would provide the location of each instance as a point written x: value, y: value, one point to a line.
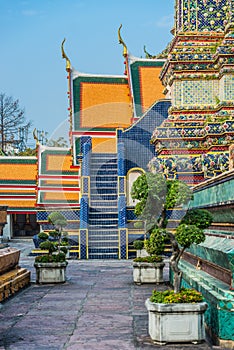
x: 25, y: 225
x: 132, y: 175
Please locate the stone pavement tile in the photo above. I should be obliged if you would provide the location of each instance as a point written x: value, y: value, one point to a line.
x: 108, y: 344
x: 98, y: 307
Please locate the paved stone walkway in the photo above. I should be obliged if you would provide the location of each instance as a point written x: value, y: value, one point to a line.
x: 98, y: 308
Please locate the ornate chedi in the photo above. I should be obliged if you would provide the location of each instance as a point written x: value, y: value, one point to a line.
x: 193, y: 142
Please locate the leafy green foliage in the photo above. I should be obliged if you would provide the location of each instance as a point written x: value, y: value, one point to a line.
x: 60, y: 257
x: 178, y: 193
x: 138, y: 245
x: 57, y: 219
x: 149, y: 259
x: 47, y: 245
x: 187, y: 234
x: 54, y: 234
x: 169, y: 297
x: 156, y: 243
x: 155, y: 195
x: 150, y: 190
x: 200, y: 217
x: 55, y: 241
x: 43, y: 236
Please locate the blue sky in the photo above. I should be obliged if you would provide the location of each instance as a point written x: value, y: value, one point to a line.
x: 31, y: 67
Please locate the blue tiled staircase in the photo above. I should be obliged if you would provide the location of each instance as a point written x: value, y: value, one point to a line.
x: 103, y: 240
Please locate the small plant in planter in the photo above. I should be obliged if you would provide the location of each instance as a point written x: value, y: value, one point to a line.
x: 165, y: 195
x: 51, y: 266
x: 138, y: 244
x: 149, y: 269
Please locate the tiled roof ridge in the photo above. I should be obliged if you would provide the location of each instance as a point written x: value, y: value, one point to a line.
x: 76, y: 74
x: 50, y: 148
x: 134, y: 59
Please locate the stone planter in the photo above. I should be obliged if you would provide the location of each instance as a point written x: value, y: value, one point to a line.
x: 148, y: 272
x: 171, y: 323
x: 50, y: 272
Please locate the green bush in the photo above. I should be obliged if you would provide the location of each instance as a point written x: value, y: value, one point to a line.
x: 188, y: 234
x: 200, y: 217
x: 57, y: 247
x: 47, y: 245
x: 149, y: 259
x: 43, y: 236
x: 155, y: 244
x: 169, y: 297
x: 60, y: 257
x: 138, y: 245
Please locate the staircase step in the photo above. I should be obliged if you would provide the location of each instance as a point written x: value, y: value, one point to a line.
x: 107, y: 256
x: 104, y: 172
x: 104, y: 155
x: 103, y: 216
x: 101, y: 165
x: 106, y: 210
x: 103, y: 212
x: 111, y: 244
x: 104, y: 227
x: 103, y: 238
x: 103, y: 204
x: 103, y: 250
x: 103, y: 197
x: 103, y: 191
x: 104, y: 178
x: 109, y: 231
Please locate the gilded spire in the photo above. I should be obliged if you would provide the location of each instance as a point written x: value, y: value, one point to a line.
x: 68, y: 63
x: 125, y: 50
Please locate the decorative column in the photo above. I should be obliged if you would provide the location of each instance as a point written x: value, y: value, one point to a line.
x: 86, y: 147
x: 122, y: 213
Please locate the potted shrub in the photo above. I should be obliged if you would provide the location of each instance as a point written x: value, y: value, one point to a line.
x: 140, y: 249
x: 51, y: 266
x: 175, y: 315
x: 149, y: 268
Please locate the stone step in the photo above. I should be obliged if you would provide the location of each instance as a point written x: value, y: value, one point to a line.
x: 106, y: 210
x: 103, y: 216
x: 103, y: 204
x: 100, y: 178
x: 103, y: 191
x: 103, y: 197
x: 103, y: 184
x: 111, y: 244
x: 105, y: 172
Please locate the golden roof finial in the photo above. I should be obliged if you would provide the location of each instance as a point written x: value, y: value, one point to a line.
x: 125, y: 50
x: 35, y: 136
x: 68, y: 63
x: 147, y: 54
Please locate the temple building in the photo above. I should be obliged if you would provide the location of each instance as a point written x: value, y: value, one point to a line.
x: 171, y: 113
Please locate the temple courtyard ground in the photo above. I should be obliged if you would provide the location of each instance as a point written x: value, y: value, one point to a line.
x: 99, y: 307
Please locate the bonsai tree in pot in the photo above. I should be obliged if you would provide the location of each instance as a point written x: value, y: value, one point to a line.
x: 149, y: 268
x: 165, y: 195
x: 51, y: 266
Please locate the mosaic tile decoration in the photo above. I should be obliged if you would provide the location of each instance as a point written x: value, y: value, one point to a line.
x: 202, y: 15
x: 123, y: 243
x: 196, y: 92
x: 228, y: 87
x: 136, y: 140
